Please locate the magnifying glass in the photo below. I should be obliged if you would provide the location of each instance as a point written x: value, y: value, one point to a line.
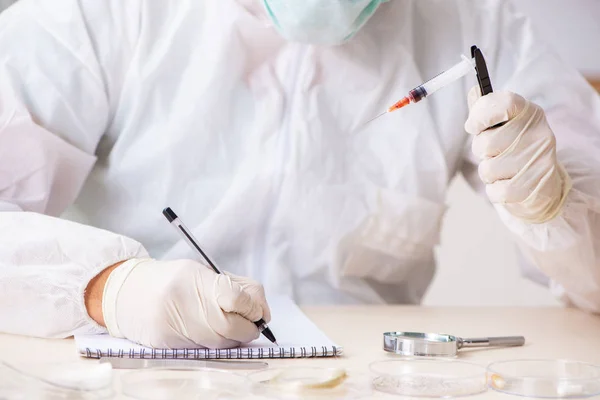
x: 440, y: 345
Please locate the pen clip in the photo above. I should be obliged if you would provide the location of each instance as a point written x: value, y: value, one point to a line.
x: 483, y: 75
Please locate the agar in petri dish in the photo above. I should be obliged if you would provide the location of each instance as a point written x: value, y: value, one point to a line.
x: 172, y: 383
x: 309, y: 383
x: 428, y: 378
x: 549, y: 379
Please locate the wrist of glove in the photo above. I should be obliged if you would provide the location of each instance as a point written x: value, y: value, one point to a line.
x: 181, y: 304
x: 518, y: 159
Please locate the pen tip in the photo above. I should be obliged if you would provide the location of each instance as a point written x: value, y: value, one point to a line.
x: 276, y: 344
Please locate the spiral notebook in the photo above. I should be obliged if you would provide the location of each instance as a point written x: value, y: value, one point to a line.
x: 297, y: 336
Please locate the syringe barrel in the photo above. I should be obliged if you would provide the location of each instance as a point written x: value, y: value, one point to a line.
x: 445, y: 78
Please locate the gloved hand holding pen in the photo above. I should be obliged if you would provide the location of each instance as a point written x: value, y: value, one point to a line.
x: 180, y: 304
x: 518, y: 159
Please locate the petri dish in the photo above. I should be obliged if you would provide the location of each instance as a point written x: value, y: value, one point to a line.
x: 309, y: 383
x: 173, y: 383
x: 74, y: 381
x: 428, y: 378
x: 549, y: 379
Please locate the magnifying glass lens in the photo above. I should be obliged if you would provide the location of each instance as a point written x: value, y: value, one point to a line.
x: 420, y: 344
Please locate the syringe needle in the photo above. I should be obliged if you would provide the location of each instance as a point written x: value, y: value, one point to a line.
x: 374, y: 118
x: 398, y: 105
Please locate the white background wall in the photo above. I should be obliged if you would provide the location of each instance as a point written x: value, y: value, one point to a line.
x: 475, y: 245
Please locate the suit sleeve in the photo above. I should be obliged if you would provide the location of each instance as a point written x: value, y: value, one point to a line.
x: 54, y: 108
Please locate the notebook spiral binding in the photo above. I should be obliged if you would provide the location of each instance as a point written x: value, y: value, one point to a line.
x: 209, y: 354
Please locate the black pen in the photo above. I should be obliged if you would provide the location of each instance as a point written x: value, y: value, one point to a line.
x: 189, y: 238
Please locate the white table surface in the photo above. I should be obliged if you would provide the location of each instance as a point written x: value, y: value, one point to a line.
x: 550, y: 333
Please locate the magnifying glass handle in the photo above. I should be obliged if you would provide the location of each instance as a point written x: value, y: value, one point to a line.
x: 492, y: 341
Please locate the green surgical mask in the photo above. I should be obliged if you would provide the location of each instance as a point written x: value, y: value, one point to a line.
x: 326, y: 22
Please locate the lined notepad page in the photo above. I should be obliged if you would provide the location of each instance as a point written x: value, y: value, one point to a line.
x: 296, y: 334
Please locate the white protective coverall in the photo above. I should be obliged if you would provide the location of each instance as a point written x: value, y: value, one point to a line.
x: 112, y: 110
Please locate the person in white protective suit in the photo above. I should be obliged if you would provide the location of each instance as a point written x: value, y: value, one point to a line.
x: 245, y: 117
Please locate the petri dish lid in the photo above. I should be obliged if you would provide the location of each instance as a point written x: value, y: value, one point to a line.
x: 77, y: 381
x: 173, y: 383
x: 311, y: 383
x: 549, y: 379
x: 428, y: 378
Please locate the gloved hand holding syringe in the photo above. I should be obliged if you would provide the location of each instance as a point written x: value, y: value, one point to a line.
x: 518, y: 158
x: 467, y: 65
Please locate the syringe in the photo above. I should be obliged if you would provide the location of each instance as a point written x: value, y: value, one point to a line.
x: 433, y: 85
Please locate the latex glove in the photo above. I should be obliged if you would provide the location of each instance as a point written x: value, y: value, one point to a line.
x: 181, y: 304
x: 518, y: 160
